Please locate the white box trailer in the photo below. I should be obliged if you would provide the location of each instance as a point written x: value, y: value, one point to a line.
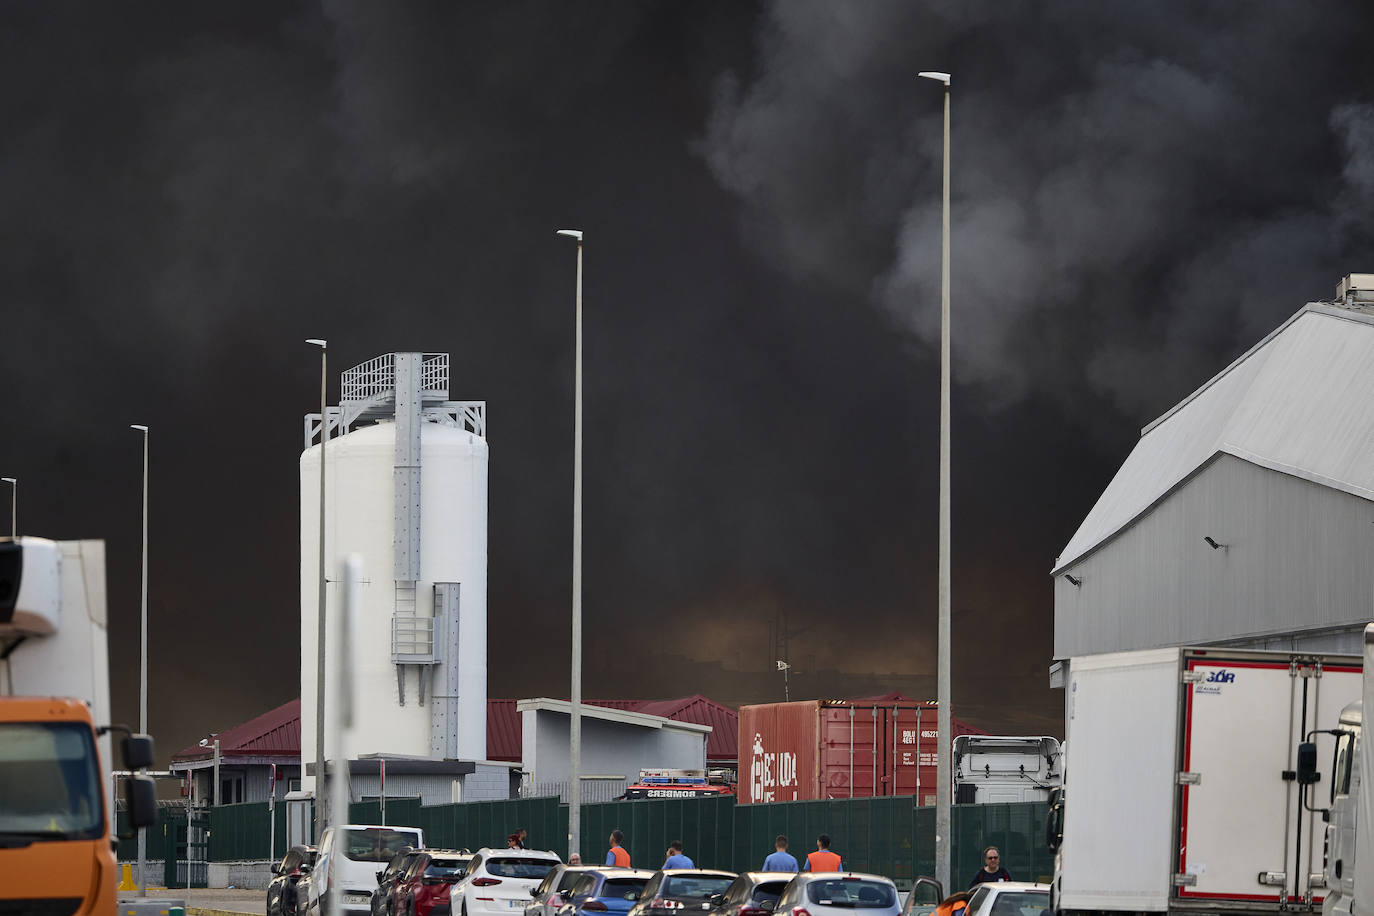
x: 1180, y: 791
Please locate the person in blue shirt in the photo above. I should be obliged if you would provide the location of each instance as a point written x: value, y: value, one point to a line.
x: 780, y: 859
x: 675, y: 857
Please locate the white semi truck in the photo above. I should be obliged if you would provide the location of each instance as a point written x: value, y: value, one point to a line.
x: 1181, y: 786
x: 997, y: 769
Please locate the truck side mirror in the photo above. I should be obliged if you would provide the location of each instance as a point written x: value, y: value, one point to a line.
x: 1307, y: 764
x: 138, y: 752
x: 141, y: 795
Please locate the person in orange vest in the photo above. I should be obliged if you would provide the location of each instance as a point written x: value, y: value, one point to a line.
x: 822, y: 859
x: 954, y: 904
x: 617, y: 855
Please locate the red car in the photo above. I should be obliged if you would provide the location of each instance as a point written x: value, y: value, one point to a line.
x: 427, y: 882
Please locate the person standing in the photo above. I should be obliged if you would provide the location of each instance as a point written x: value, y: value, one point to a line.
x: 617, y: 855
x: 780, y: 859
x: 823, y: 859
x: 521, y: 833
x: 992, y: 869
x: 575, y: 858
x: 675, y: 857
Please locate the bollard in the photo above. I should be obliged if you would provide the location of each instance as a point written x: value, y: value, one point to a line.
x: 128, y: 883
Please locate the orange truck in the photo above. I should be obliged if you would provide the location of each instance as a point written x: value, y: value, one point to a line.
x: 56, y: 818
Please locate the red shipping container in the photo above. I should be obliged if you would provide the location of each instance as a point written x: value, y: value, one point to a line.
x: 840, y: 749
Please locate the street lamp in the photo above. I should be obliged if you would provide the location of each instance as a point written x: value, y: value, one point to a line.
x: 143, y: 657
x: 14, y: 505
x: 943, y: 689
x: 319, y: 629
x: 575, y: 704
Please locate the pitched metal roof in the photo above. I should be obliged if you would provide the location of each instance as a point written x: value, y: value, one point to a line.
x: 273, y: 734
x: 1300, y: 402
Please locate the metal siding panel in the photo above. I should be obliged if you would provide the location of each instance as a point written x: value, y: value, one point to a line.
x: 1293, y: 563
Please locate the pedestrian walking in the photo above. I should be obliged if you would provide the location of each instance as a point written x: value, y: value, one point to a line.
x: 823, y: 859
x: 617, y: 855
x: 675, y: 857
x: 520, y: 835
x: 992, y: 869
x: 780, y: 859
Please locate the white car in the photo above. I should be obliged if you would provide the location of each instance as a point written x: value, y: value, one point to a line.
x: 499, y: 881
x: 347, y: 865
x: 1010, y: 898
x: 838, y: 893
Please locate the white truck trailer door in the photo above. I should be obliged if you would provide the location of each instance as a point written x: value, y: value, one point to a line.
x: 1239, y: 816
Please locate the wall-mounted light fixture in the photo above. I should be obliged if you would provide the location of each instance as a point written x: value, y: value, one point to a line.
x: 1212, y: 543
x: 1074, y: 580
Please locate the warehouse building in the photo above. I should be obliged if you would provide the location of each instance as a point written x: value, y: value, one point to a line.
x: 1244, y: 516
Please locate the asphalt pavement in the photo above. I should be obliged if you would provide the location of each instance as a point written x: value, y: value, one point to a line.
x: 212, y: 901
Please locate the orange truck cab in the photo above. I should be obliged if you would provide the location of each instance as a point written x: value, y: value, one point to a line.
x: 56, y: 847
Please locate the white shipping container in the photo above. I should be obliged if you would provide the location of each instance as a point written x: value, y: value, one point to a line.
x: 1179, y: 782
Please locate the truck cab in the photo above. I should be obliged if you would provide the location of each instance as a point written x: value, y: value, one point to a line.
x: 56, y: 852
x: 992, y: 769
x: 1343, y: 815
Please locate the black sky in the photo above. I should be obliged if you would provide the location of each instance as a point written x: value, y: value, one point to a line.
x: 188, y: 192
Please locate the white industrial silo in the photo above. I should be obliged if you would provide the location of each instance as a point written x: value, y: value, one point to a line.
x: 406, y: 490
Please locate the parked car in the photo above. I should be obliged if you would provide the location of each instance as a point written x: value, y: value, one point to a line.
x: 427, y: 882
x: 681, y: 888
x: 753, y: 893
x: 388, y: 877
x: 302, y: 900
x: 350, y: 855
x: 1010, y: 898
x: 281, y: 891
x: 925, y: 896
x: 605, y: 890
x: 838, y: 894
x: 500, y: 880
x: 551, y: 893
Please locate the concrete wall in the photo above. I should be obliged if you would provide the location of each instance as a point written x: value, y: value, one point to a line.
x: 1295, y: 571
x: 252, y: 875
x: 608, y: 748
x: 490, y: 782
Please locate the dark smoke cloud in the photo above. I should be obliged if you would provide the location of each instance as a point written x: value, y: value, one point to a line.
x: 189, y: 192
x: 1136, y: 187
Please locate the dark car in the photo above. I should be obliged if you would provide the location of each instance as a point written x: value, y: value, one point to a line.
x: 281, y: 891
x: 605, y: 890
x: 751, y: 894
x: 388, y: 878
x: 551, y: 894
x: 426, y: 884
x: 677, y: 889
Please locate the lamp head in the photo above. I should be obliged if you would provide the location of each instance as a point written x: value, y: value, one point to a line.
x: 138, y: 426
x: 572, y: 233
x: 9, y: 479
x: 934, y: 75
x: 317, y: 342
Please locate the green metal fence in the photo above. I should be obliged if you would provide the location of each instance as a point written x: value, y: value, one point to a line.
x: 886, y: 836
x: 706, y: 827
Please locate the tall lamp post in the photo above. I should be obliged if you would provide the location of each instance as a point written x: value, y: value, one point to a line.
x: 320, y: 797
x: 143, y: 657
x: 14, y: 505
x: 575, y: 710
x: 943, y: 689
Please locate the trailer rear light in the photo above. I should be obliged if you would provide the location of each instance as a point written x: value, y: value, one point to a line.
x: 595, y: 906
x: 485, y: 882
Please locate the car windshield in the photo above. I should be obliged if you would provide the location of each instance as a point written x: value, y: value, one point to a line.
x: 622, y: 888
x: 856, y: 893
x: 568, y: 878
x: 49, y: 783
x: 695, y: 886
x: 444, y: 868
x: 512, y: 867
x: 376, y: 844
x: 1021, y: 903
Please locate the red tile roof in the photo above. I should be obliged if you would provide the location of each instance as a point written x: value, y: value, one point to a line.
x: 273, y: 734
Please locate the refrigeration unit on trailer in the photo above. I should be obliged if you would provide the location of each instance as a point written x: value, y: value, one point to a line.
x: 1180, y: 789
x: 1001, y: 769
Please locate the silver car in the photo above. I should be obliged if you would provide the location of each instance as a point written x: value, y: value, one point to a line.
x: 552, y: 892
x: 838, y: 894
x: 1010, y: 898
